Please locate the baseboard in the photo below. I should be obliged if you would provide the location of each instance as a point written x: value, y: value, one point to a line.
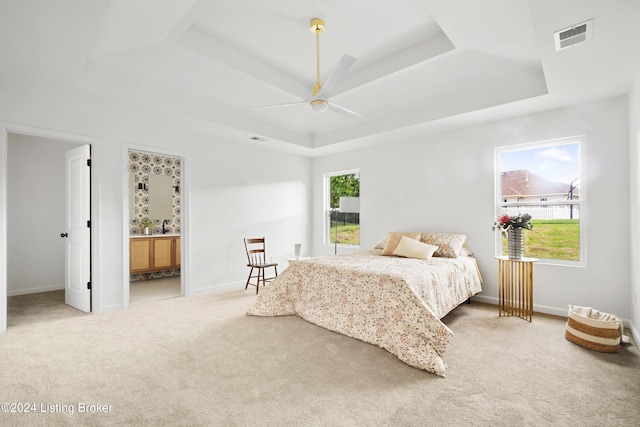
x: 558, y: 312
x: 562, y: 312
x: 634, y: 332
x: 16, y: 292
x: 109, y: 308
x: 217, y: 288
x: 487, y: 300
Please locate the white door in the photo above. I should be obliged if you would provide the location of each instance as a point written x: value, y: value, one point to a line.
x: 77, y: 234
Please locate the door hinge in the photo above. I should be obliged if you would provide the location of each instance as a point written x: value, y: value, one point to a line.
x: 88, y: 285
x: 89, y: 224
x: 89, y: 162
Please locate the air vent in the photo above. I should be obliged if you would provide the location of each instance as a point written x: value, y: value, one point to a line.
x: 257, y: 139
x: 573, y: 35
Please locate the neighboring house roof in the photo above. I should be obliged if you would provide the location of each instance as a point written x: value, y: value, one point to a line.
x: 527, y: 184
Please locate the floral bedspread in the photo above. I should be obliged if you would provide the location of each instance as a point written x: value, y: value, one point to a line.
x: 395, y: 303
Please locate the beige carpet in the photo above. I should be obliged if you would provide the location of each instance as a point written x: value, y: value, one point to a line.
x: 202, y: 362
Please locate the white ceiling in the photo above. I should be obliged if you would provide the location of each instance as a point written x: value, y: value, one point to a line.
x: 204, y: 65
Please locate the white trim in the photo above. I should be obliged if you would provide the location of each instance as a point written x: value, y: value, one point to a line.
x: 35, y: 290
x: 125, y: 227
x: 634, y: 331
x: 237, y: 286
x: 581, y: 140
x: 111, y: 308
x: 185, y: 235
x: 185, y: 288
x: 5, y: 129
x: 3, y: 230
x: 536, y: 308
x: 96, y: 228
x: 326, y: 194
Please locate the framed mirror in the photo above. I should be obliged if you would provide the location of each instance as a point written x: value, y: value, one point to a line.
x: 160, y: 197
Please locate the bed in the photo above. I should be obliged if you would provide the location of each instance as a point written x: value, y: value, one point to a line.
x: 395, y: 302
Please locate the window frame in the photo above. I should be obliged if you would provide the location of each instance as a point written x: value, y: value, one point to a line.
x: 581, y: 202
x: 326, y: 206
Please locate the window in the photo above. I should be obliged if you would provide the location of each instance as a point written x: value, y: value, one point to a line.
x: 342, y: 208
x: 543, y: 180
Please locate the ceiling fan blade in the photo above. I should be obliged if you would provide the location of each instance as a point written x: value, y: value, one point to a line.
x: 343, y: 66
x: 288, y: 104
x: 344, y: 111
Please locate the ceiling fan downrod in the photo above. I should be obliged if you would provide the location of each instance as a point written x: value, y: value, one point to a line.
x: 317, y: 27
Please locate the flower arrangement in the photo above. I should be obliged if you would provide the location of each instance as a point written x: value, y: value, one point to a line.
x: 506, y: 222
x: 145, y: 222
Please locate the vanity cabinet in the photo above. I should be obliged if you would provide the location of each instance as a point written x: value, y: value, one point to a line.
x: 148, y: 254
x: 176, y: 249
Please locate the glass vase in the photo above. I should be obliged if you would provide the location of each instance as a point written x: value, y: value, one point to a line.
x: 515, y: 246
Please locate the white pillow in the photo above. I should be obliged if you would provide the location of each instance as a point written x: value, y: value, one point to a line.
x: 393, y: 238
x: 411, y: 248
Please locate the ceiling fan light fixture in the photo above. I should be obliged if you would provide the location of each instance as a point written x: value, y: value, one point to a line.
x: 319, y: 105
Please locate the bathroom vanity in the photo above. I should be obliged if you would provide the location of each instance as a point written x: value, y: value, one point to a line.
x: 154, y: 253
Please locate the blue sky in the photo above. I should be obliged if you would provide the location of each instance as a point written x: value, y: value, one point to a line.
x: 558, y: 163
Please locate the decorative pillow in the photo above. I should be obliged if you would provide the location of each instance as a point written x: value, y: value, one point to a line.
x: 393, y: 238
x: 381, y: 243
x: 449, y: 245
x: 410, y: 248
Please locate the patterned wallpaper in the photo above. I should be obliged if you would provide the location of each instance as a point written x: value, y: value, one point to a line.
x: 144, y: 164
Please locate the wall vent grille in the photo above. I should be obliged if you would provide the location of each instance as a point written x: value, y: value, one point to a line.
x: 573, y: 35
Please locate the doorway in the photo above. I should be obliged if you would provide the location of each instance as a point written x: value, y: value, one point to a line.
x: 155, y: 228
x: 34, y: 211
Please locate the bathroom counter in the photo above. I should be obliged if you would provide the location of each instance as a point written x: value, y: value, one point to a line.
x: 139, y: 236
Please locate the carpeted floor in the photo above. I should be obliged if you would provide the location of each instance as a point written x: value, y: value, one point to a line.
x: 201, y: 361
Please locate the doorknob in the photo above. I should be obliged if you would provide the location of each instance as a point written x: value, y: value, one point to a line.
x: 64, y: 235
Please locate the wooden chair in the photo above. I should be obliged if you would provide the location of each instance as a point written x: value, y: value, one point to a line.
x: 257, y: 260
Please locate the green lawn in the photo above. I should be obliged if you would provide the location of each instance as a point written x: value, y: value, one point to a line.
x: 348, y: 234
x: 557, y: 239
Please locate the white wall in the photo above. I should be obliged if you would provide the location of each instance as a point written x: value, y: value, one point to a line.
x: 634, y: 196
x: 233, y: 190
x: 239, y: 191
x: 36, y: 213
x: 445, y: 182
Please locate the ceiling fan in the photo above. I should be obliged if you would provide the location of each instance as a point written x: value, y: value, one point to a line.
x: 319, y: 99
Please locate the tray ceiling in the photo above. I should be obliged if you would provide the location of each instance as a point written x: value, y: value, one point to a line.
x: 422, y: 65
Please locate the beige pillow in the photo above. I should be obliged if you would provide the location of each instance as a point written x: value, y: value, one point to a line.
x: 449, y: 245
x: 410, y: 248
x: 393, y: 238
x: 381, y: 243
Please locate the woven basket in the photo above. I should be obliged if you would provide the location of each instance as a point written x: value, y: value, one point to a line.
x: 594, y: 330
